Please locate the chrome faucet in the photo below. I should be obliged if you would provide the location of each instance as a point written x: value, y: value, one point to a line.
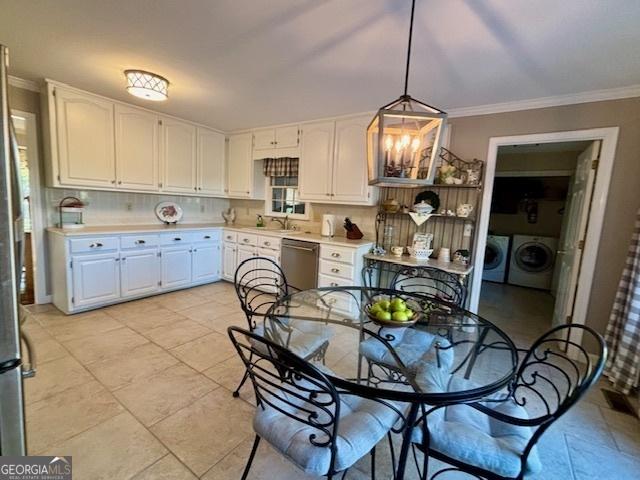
x: 285, y: 224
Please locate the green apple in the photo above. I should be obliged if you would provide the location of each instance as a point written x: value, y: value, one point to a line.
x: 383, y: 315
x: 400, y: 316
x: 374, y: 309
x: 398, y: 305
x: 409, y: 313
x: 384, y: 304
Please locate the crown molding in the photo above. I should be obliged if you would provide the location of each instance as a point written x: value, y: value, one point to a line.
x: 546, y: 102
x: 24, y: 84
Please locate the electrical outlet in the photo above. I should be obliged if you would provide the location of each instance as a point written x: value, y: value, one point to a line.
x: 467, y: 230
x: 129, y: 206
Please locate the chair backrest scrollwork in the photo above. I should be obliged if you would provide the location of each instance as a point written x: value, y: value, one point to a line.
x: 430, y: 281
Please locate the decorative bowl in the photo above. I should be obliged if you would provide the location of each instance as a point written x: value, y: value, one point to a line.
x: 420, y: 253
x: 417, y: 315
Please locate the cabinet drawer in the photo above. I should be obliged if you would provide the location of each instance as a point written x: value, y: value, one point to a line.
x: 338, y: 254
x: 208, y: 236
x: 339, y: 300
x: 271, y: 243
x: 327, y: 281
x: 336, y: 269
x: 177, y: 238
x: 96, y: 244
x: 230, y: 236
x: 139, y: 241
x: 247, y: 239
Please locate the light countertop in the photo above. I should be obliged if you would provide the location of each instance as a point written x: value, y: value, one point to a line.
x: 450, y: 267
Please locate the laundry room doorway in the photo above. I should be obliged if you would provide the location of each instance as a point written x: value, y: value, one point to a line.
x: 539, y: 227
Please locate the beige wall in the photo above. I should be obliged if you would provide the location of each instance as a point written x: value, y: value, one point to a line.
x: 470, y: 138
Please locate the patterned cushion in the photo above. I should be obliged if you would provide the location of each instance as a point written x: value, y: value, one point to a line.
x: 468, y: 435
x: 362, y: 424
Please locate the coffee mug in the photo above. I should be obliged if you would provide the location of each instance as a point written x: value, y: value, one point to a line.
x: 444, y: 255
x: 397, y: 251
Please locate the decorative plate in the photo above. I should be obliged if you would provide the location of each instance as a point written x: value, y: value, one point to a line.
x: 169, y: 212
x: 430, y: 197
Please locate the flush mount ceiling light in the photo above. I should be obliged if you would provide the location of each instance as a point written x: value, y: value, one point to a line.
x: 147, y: 85
x: 404, y: 137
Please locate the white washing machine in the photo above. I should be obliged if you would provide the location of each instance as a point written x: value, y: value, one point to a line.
x: 496, y: 258
x: 532, y: 261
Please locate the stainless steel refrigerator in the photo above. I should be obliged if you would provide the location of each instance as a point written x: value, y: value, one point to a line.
x: 12, y: 431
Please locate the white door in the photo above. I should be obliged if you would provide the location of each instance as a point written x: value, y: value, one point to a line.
x: 96, y: 279
x: 245, y: 273
x: 178, y: 152
x: 175, y: 267
x: 239, y: 166
x: 350, y: 177
x: 287, y: 137
x: 316, y: 162
x: 573, y: 233
x: 140, y: 273
x: 264, y: 139
x: 229, y: 263
x: 211, y: 165
x: 85, y: 139
x: 206, y: 262
x: 137, y: 159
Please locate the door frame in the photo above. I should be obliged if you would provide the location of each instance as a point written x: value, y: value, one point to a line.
x: 609, y: 138
x: 38, y: 220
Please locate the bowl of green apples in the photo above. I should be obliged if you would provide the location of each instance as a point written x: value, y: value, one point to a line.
x: 393, y: 312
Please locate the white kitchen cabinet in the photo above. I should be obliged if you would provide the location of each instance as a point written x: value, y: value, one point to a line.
x: 267, y: 268
x: 205, y: 259
x: 179, y: 156
x: 316, y: 162
x: 240, y: 166
x: 175, y: 267
x: 276, y: 142
x: 140, y: 272
x: 136, y: 142
x: 264, y: 139
x: 85, y: 139
x: 211, y: 171
x: 287, y: 137
x: 96, y: 279
x: 229, y: 260
x: 245, y: 252
x: 350, y: 176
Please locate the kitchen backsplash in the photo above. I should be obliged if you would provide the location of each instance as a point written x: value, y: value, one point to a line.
x: 115, y: 208
x: 247, y: 210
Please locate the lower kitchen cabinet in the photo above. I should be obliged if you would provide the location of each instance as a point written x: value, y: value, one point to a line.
x: 229, y: 260
x: 206, y: 262
x: 140, y: 273
x: 175, y: 267
x: 96, y: 279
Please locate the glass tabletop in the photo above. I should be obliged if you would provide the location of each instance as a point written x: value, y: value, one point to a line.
x: 441, y: 354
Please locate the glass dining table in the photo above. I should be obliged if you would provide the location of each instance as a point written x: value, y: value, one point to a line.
x: 448, y: 356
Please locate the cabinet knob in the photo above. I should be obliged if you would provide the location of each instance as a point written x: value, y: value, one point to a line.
x: 335, y: 255
x: 335, y: 270
x: 95, y: 245
x: 328, y: 194
x: 140, y: 242
x: 207, y: 237
x: 113, y: 181
x: 334, y: 284
x: 248, y: 192
x: 267, y: 243
x: 177, y: 239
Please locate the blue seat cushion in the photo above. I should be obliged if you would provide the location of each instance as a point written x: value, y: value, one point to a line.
x: 362, y: 424
x: 301, y: 338
x: 463, y: 433
x: 414, y: 347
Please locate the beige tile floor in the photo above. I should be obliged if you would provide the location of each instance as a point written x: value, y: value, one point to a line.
x: 142, y: 390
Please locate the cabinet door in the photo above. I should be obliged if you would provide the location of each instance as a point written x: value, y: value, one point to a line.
x: 246, y: 273
x: 137, y: 159
x: 178, y: 151
x: 316, y: 160
x: 140, y: 273
x: 287, y: 137
x: 212, y: 177
x: 206, y: 260
x: 96, y: 279
x: 267, y: 268
x: 350, y: 177
x: 86, y: 139
x: 240, y: 166
x: 175, y: 267
x: 264, y: 139
x: 229, y: 262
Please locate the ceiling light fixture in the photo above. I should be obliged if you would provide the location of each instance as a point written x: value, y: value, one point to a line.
x: 404, y: 137
x: 147, y: 85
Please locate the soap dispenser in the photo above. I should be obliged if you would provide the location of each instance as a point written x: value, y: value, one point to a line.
x: 259, y: 221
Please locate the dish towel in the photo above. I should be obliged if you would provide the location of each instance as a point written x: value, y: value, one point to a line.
x: 623, y: 331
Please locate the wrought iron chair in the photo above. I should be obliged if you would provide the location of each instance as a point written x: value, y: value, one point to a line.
x: 303, y: 416
x: 259, y: 282
x: 496, y: 438
x: 430, y: 281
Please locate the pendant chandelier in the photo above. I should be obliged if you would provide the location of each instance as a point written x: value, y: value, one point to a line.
x: 404, y: 137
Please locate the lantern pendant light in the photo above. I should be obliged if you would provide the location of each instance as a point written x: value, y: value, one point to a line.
x: 404, y: 137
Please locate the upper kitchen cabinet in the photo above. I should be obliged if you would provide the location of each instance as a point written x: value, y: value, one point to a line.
x: 276, y: 142
x: 333, y: 162
x: 240, y: 166
x: 82, y: 142
x: 179, y: 156
x: 137, y: 158
x: 211, y: 162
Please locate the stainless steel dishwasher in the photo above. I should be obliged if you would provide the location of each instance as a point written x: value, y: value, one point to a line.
x: 299, y: 261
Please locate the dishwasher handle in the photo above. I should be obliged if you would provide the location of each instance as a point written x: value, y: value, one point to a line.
x: 304, y: 249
